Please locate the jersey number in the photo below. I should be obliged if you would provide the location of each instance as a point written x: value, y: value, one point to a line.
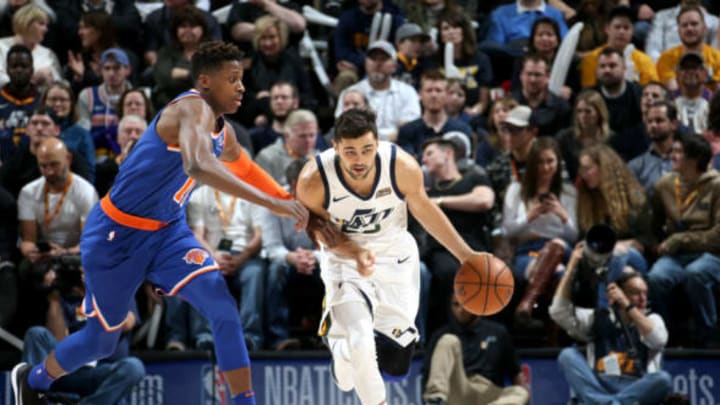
x: 184, y: 191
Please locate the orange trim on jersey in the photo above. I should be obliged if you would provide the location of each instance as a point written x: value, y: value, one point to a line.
x: 218, y: 133
x: 173, y: 148
x: 96, y: 313
x: 129, y: 220
x: 181, y: 194
x: 190, y: 277
x: 18, y: 102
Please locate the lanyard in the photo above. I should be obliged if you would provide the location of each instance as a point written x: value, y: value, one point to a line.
x: 46, y: 191
x: 683, y: 203
x: 225, y: 219
x: 513, y: 167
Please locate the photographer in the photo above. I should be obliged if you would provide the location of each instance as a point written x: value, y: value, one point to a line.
x: 625, y: 345
x: 105, y: 382
x: 51, y: 211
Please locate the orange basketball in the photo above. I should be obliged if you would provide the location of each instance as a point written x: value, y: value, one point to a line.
x: 484, y: 284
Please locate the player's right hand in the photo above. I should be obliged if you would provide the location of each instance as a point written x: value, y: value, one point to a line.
x: 365, y: 262
x: 291, y: 208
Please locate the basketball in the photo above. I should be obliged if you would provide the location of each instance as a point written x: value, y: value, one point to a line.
x: 484, y: 284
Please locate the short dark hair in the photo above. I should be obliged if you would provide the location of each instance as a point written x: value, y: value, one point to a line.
x: 695, y: 147
x: 688, y: 9
x: 666, y: 93
x: 670, y: 108
x: 625, y: 277
x: 607, y: 51
x: 190, y: 15
x: 44, y: 110
x: 354, y: 123
x: 534, y: 57
x: 293, y: 88
x: 432, y: 75
x: 21, y: 49
x: 211, y: 55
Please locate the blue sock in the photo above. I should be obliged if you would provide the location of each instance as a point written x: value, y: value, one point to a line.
x: 39, y: 379
x: 244, y: 398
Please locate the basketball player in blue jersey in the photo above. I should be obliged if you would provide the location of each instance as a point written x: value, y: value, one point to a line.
x: 363, y: 189
x: 139, y: 231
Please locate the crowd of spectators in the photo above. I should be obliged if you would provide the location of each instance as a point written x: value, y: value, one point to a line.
x: 523, y: 157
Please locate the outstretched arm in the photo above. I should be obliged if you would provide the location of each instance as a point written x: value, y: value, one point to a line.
x: 311, y: 191
x: 196, y: 119
x: 410, y: 182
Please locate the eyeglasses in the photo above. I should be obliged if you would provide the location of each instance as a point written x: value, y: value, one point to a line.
x: 58, y: 100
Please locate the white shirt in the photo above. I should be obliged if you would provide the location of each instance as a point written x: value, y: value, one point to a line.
x: 664, y: 35
x: 515, y: 223
x: 42, y: 58
x: 241, y: 215
x: 397, y: 105
x: 578, y: 323
x: 522, y: 9
x: 66, y: 228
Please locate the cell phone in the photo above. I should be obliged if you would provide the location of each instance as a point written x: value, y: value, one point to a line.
x: 225, y: 245
x: 544, y: 196
x: 43, y: 246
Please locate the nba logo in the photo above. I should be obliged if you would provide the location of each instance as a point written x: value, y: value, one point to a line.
x: 214, y: 391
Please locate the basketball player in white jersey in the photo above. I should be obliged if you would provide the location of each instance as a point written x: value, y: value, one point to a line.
x: 363, y: 188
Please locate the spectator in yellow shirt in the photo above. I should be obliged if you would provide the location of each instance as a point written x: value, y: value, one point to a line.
x: 692, y: 31
x: 619, y: 30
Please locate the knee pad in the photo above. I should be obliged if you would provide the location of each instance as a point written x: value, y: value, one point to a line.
x: 393, y: 360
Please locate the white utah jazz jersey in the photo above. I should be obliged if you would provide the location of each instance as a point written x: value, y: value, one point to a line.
x: 377, y: 222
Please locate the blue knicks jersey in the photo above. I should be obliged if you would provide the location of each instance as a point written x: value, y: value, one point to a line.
x: 151, y: 182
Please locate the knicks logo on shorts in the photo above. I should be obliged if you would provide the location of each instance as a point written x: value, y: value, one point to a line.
x: 196, y: 256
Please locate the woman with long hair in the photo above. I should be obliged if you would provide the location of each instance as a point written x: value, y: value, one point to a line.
x: 60, y: 97
x: 539, y: 215
x: 590, y: 127
x: 172, y: 69
x: 29, y: 25
x: 97, y: 33
x: 609, y: 193
x: 492, y: 143
x: 474, y: 66
x: 272, y: 62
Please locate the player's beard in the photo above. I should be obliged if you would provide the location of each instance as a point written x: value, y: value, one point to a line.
x: 354, y: 176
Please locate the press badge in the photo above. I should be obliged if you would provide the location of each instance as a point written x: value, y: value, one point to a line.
x: 612, y: 365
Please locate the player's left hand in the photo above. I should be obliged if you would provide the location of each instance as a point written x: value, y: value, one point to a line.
x: 291, y: 208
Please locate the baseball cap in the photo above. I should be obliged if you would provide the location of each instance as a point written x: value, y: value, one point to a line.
x: 691, y: 59
x: 460, y: 141
x: 115, y: 55
x: 384, y: 46
x: 455, y: 139
x: 409, y: 30
x: 519, y: 116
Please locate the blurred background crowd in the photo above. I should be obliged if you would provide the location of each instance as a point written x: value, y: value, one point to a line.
x: 534, y: 121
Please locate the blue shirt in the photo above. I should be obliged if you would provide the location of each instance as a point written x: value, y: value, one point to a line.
x: 506, y: 24
x: 649, y: 167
